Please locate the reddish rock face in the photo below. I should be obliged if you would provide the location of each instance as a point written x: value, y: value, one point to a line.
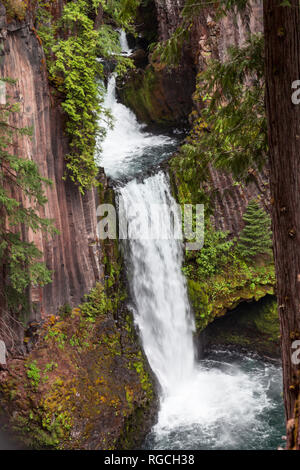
x: 73, y: 255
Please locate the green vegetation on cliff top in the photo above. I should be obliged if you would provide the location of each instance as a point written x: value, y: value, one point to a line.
x: 219, y: 278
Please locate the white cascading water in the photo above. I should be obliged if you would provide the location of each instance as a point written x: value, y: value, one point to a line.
x: 126, y: 142
x: 158, y: 285
x: 204, y: 403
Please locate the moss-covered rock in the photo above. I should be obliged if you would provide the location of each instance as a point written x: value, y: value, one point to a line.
x: 87, y: 384
x: 253, y: 326
x: 158, y: 95
x: 214, y: 296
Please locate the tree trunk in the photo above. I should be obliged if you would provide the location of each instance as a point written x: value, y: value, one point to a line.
x: 282, y: 55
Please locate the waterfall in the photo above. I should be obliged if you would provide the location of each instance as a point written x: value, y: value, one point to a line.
x: 158, y: 286
x: 127, y: 139
x: 212, y: 404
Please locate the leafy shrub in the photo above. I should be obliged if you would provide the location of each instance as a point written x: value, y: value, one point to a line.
x: 33, y: 374
x: 215, y: 254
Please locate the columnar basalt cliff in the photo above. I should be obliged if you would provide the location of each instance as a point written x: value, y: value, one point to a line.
x: 74, y: 255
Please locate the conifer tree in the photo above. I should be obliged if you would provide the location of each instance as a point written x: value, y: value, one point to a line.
x: 256, y: 237
x: 21, y: 198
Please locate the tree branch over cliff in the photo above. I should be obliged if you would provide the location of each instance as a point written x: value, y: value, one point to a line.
x: 21, y: 199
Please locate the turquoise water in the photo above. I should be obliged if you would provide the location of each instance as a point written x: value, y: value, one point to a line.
x: 246, y: 414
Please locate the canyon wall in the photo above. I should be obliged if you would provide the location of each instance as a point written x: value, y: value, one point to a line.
x: 73, y: 256
x: 214, y: 41
x: 211, y: 39
x: 164, y: 96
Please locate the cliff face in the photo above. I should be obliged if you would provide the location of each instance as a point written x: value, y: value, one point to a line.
x: 168, y: 14
x: 157, y: 94
x: 164, y: 96
x: 211, y: 39
x: 85, y: 386
x: 73, y: 255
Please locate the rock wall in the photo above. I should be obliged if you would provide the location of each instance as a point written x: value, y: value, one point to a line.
x: 211, y: 39
x: 73, y: 255
x: 161, y: 96
x: 251, y: 326
x: 86, y: 385
x: 214, y: 40
x: 157, y: 94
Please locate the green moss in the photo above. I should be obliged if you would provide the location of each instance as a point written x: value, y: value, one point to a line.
x: 144, y: 376
x: 144, y: 92
x: 212, y: 297
x: 33, y: 374
x: 100, y: 371
x: 267, y: 322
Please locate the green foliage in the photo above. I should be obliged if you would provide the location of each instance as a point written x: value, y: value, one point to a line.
x: 256, y: 237
x: 97, y: 303
x: 72, y: 46
x: 33, y: 374
x: 65, y: 311
x: 139, y: 366
x: 220, y: 277
x: 21, y: 199
x: 233, y: 130
x: 232, y: 283
x: 230, y: 134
